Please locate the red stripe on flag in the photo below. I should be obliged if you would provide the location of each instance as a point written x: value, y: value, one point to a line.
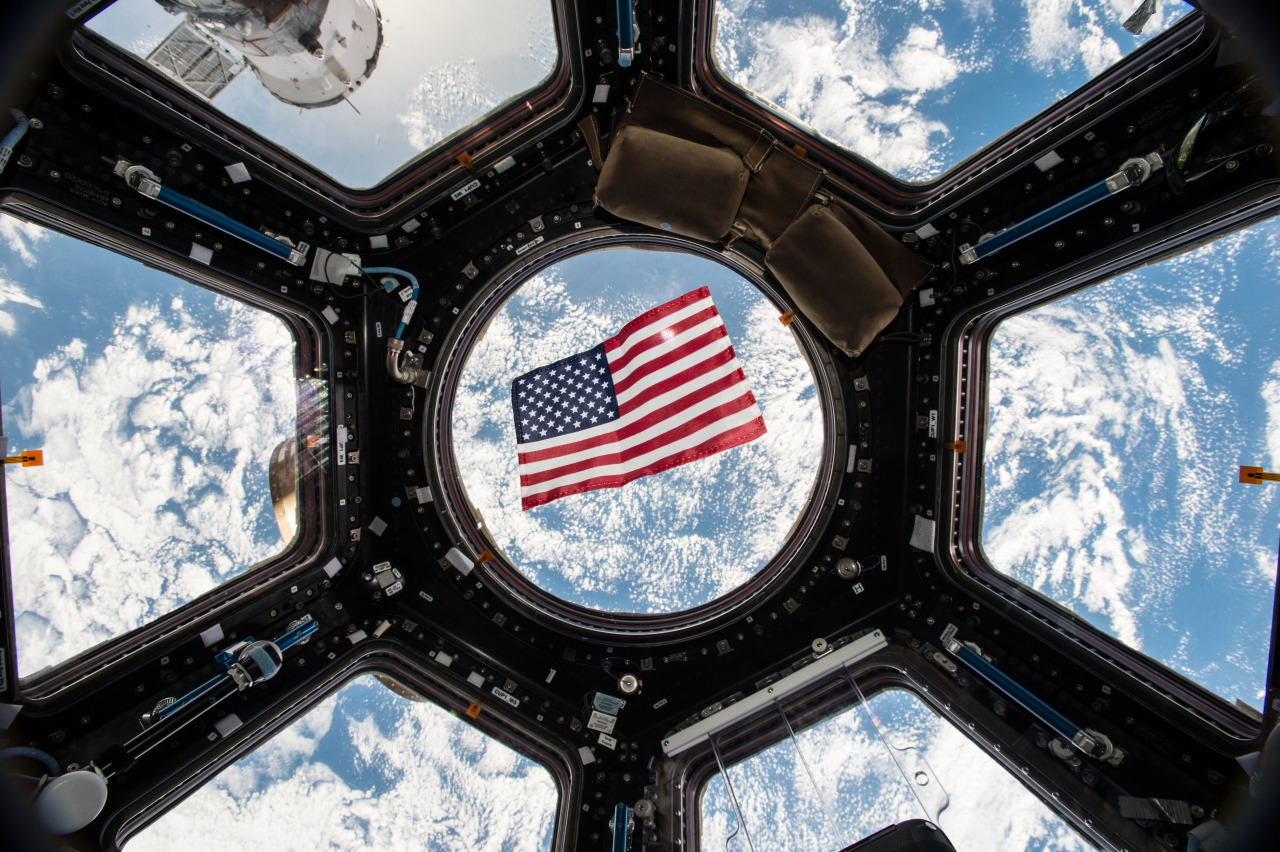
x: 740, y: 435
x: 624, y: 429
x: 682, y: 430
x: 658, y: 338
x: 728, y: 422
x: 655, y: 314
x: 670, y: 356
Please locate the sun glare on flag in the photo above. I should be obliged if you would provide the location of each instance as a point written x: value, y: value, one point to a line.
x: 664, y: 391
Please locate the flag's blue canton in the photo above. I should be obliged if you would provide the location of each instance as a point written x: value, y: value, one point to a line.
x: 565, y: 397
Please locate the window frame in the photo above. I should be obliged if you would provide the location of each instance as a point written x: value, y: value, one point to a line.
x: 138, y: 814
x: 963, y: 412
x: 554, y: 101
x: 1188, y: 39
x: 889, y: 669
x: 315, y: 521
x: 540, y: 604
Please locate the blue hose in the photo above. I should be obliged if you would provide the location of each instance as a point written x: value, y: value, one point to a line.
x: 222, y: 222
x: 34, y: 754
x: 413, y: 299
x: 12, y: 137
x: 1043, y: 219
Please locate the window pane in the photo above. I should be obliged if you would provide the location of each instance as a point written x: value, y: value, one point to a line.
x: 917, y: 87
x: 662, y: 543
x: 1117, y: 421
x: 859, y: 785
x: 392, y: 79
x: 367, y: 769
x: 157, y: 405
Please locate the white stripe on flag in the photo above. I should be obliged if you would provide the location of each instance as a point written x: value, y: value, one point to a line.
x: 701, y: 436
x: 658, y: 324
x: 654, y: 431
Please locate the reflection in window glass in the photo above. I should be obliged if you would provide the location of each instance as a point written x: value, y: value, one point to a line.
x: 915, y: 87
x: 1118, y: 418
x: 353, y: 87
x: 857, y: 788
x: 367, y: 769
x: 665, y: 542
x: 158, y: 405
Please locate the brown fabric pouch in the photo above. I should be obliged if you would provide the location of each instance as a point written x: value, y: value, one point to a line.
x: 781, y: 184
x: 671, y: 183
x: 847, y: 276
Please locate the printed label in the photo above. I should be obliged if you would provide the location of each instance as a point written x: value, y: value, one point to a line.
x: 608, y: 741
x: 608, y: 704
x: 602, y: 722
x: 506, y: 696
x: 524, y: 248
x: 466, y: 190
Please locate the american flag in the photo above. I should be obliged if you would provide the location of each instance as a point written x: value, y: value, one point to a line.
x: 664, y: 391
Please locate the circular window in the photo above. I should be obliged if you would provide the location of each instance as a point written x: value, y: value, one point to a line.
x: 666, y: 542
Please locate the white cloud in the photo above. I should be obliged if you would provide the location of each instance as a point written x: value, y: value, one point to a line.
x: 664, y: 542
x: 22, y: 237
x: 910, y: 84
x: 1271, y: 398
x: 153, y: 488
x: 11, y: 293
x: 368, y: 770
x: 860, y: 786
x: 844, y: 79
x: 1117, y: 419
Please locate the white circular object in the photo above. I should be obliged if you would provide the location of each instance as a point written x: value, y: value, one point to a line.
x: 70, y: 802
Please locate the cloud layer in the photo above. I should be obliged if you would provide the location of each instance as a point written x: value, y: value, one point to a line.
x: 367, y: 769
x: 156, y: 431
x: 665, y: 542
x: 916, y: 85
x: 837, y: 783
x: 1118, y: 418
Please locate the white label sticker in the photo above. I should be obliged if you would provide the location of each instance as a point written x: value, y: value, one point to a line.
x: 550, y: 675
x: 459, y: 560
x: 377, y: 326
x: 506, y: 696
x: 201, y: 254
x: 524, y: 248
x: 602, y: 722
x: 237, y: 172
x: 933, y: 423
x: 342, y: 445
x: 405, y: 294
x: 608, y: 741
x: 466, y: 190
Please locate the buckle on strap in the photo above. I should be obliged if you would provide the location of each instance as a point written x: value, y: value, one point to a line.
x: 759, y: 152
